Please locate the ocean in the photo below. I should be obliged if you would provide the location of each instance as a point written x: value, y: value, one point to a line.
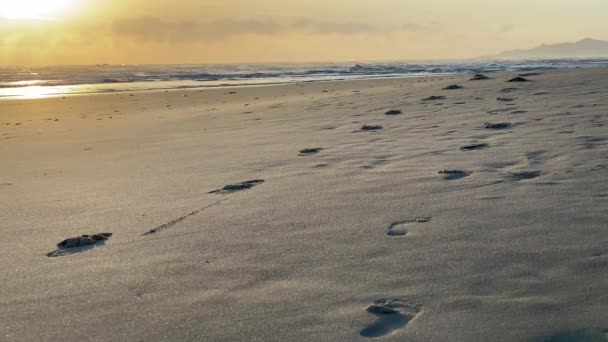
x: 37, y: 82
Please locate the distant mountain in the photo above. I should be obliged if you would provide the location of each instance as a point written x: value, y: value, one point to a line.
x: 586, y: 48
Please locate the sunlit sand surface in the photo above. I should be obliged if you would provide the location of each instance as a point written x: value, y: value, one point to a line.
x: 327, y: 211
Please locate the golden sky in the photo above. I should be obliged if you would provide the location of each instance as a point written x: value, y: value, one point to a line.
x: 35, y: 32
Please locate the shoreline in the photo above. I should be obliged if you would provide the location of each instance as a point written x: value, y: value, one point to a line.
x: 76, y: 80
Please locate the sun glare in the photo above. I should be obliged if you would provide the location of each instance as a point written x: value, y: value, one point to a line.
x: 33, y: 9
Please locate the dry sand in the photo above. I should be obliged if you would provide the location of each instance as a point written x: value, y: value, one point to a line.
x: 363, y: 238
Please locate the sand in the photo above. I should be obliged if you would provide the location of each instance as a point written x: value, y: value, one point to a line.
x: 397, y: 233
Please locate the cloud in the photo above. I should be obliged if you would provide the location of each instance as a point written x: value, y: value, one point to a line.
x: 159, y: 30
x: 155, y: 29
x: 326, y: 27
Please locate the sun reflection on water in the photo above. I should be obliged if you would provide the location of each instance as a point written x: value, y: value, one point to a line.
x: 39, y: 92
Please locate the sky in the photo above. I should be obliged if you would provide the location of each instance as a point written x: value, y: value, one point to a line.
x: 52, y: 32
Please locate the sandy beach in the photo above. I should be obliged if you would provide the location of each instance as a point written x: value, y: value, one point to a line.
x: 470, y: 214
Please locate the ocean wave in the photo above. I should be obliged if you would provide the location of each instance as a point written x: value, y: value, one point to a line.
x: 123, y: 77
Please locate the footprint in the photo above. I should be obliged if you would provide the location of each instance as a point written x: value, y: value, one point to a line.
x: 523, y: 175
x: 399, y: 228
x: 454, y: 174
x: 472, y: 147
x: 79, y: 244
x: 310, y: 151
x: 230, y: 188
x: 392, y: 314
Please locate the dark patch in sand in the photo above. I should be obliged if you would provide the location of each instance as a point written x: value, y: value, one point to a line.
x: 590, y: 142
x: 523, y: 175
x: 370, y: 128
x: 472, y: 147
x: 508, y: 90
x: 519, y: 79
x: 230, y: 188
x: 392, y: 314
x: 498, y: 125
x: 479, y: 77
x: 584, y: 335
x: 504, y: 99
x: 434, y: 98
x: 453, y: 87
x: 454, y: 174
x: 310, y: 151
x: 394, y: 112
